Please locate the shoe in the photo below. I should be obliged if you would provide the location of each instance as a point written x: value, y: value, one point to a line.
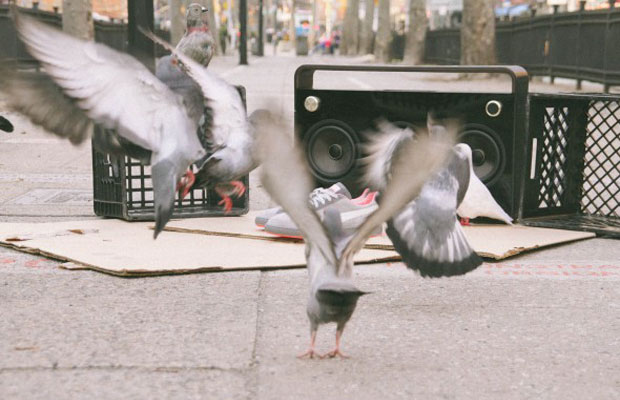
x: 319, y: 197
x: 353, y: 212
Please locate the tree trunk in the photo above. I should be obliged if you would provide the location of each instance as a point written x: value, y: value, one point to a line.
x: 384, y: 35
x: 177, y: 21
x: 77, y: 18
x: 418, y: 24
x: 291, y: 29
x: 367, y: 34
x: 478, y: 32
x: 350, y: 29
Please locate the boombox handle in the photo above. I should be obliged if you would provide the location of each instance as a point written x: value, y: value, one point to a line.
x: 304, y: 76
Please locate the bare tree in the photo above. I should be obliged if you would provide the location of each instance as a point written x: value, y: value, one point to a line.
x: 350, y: 29
x: 384, y: 36
x: 77, y: 18
x: 478, y: 32
x: 418, y: 23
x: 367, y: 34
x: 291, y: 26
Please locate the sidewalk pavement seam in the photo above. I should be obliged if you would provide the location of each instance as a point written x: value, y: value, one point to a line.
x: 252, y: 378
x: 165, y: 369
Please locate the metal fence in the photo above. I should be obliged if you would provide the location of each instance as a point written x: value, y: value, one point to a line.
x: 109, y: 33
x: 583, y: 45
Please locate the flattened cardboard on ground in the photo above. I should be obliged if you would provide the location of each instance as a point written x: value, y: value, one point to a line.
x: 495, y: 241
x: 128, y: 249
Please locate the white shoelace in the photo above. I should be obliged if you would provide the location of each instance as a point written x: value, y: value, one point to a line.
x: 320, y: 196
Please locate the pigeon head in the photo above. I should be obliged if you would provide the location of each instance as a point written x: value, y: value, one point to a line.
x: 195, y: 15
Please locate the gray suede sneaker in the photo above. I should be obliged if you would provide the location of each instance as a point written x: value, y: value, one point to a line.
x: 319, y: 198
x: 352, y: 214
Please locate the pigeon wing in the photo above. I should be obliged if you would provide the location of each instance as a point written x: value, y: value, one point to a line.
x: 222, y: 98
x: 413, y: 163
x: 427, y: 233
x: 110, y: 87
x: 286, y: 178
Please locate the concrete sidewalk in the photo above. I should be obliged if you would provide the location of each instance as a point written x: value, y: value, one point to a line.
x: 542, y: 325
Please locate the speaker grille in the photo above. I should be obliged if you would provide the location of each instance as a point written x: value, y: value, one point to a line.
x: 331, y: 149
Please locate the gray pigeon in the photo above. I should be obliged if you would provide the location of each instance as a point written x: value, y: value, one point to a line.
x: 197, y: 42
x: 329, y: 251
x: 426, y: 233
x: 86, y: 83
x: 5, y: 125
x: 226, y: 133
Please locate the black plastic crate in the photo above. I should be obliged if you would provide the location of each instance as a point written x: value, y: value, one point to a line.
x: 123, y: 189
x: 573, y: 177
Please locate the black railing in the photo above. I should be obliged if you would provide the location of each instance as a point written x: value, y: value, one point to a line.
x: 109, y: 33
x: 583, y: 45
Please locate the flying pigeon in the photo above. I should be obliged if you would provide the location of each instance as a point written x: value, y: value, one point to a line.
x: 478, y: 201
x: 5, y: 125
x: 197, y: 43
x: 227, y: 134
x: 86, y: 83
x: 329, y: 251
x: 426, y: 233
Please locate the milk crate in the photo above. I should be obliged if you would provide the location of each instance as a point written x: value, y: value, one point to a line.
x: 123, y: 189
x: 573, y: 177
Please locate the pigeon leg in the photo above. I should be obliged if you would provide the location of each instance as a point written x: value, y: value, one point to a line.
x: 336, y: 352
x: 310, y: 353
x: 465, y: 221
x: 226, y: 200
x: 239, y: 188
x: 185, y: 184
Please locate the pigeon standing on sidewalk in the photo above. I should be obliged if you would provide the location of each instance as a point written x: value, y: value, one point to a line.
x: 329, y: 250
x: 197, y: 43
x: 5, y: 124
x: 229, y: 135
x: 478, y: 201
x: 426, y: 233
x: 86, y: 83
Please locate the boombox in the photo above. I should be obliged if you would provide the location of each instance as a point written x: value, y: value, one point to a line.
x: 332, y: 124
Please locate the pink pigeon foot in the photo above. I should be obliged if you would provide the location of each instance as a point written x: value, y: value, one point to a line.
x: 465, y: 221
x: 185, y: 184
x: 310, y: 353
x: 336, y: 352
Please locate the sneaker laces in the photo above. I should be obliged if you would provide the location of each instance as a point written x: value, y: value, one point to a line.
x: 320, y: 196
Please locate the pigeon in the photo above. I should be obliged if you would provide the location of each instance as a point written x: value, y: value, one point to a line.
x: 226, y: 133
x: 88, y: 83
x: 329, y: 251
x: 426, y: 233
x: 197, y: 43
x: 478, y: 201
x: 5, y: 124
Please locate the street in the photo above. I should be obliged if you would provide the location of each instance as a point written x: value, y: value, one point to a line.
x: 543, y: 325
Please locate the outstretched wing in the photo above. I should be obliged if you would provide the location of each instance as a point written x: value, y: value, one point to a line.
x: 286, y: 178
x: 220, y: 96
x: 427, y: 234
x: 413, y: 163
x: 110, y: 87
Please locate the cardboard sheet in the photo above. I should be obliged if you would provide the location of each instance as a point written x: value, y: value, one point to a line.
x: 128, y: 249
x: 495, y: 241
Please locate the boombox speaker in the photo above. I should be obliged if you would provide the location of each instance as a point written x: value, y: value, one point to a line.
x: 332, y: 124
